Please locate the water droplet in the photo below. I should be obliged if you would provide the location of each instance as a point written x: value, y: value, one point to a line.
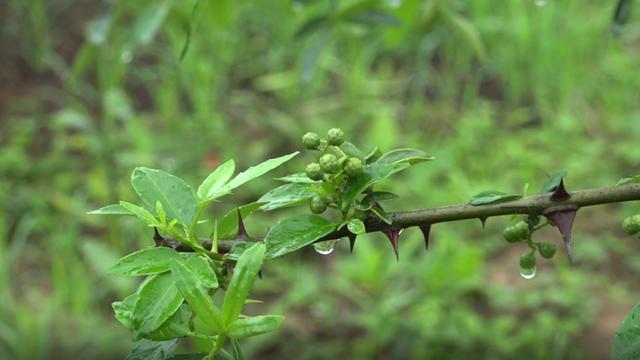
x: 528, y: 273
x: 126, y: 56
x: 325, y: 247
x: 541, y: 2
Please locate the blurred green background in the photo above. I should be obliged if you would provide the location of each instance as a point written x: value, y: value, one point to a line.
x: 501, y: 93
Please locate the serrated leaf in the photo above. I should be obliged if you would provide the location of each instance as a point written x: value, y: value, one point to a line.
x: 372, y: 174
x: 156, y: 301
x: 295, y: 232
x: 175, y: 327
x: 257, y: 170
x: 152, y: 350
x: 356, y: 226
x: 177, y: 198
x: 196, y: 295
x: 237, y: 249
x: 407, y: 155
x: 113, y: 209
x: 148, y: 261
x: 254, y: 325
x: 214, y: 183
x: 377, y: 196
x: 122, y: 311
x: 351, y: 150
x: 491, y: 196
x: 626, y: 343
x: 553, y: 181
x: 244, y: 274
x: 201, y: 267
x: 228, y: 225
x: 285, y: 196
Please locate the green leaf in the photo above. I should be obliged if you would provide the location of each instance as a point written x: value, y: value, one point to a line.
x: 465, y: 29
x: 411, y: 156
x: 626, y: 343
x: 372, y: 174
x: 201, y: 267
x: 629, y: 180
x: 228, y: 226
x: 285, y: 196
x: 177, y: 198
x: 373, y: 17
x: 293, y: 233
x: 377, y: 196
x: 141, y: 213
x: 553, y: 181
x: 145, y: 262
x: 383, y: 215
x: 254, y: 325
x: 238, y: 248
x: 152, y: 350
x: 244, y: 274
x: 157, y: 300
x: 256, y: 171
x: 356, y: 226
x: 298, y: 178
x: 491, y: 196
x: 122, y: 311
x: 213, y: 184
x: 351, y: 150
x: 113, y: 209
x: 237, y: 352
x: 175, y: 327
x: 196, y: 295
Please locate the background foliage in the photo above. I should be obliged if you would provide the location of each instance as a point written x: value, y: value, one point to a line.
x: 500, y: 95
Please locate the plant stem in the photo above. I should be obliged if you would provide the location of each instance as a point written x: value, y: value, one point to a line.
x: 530, y: 205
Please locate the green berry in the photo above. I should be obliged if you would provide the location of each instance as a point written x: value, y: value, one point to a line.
x: 517, y: 232
x: 335, y: 137
x: 314, y: 171
x: 353, y: 166
x: 318, y: 205
x: 329, y: 163
x: 311, y: 141
x: 547, y: 249
x: 631, y: 225
x: 527, y: 261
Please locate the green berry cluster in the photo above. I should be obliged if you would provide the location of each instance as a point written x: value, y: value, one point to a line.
x: 333, y: 167
x: 631, y: 225
x: 523, y: 231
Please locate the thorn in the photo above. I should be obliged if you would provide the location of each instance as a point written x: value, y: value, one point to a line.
x: 560, y: 193
x: 242, y: 231
x: 260, y: 274
x: 563, y: 220
x: 426, y: 230
x: 352, y: 241
x: 157, y: 238
x: 393, y: 235
x: 483, y: 220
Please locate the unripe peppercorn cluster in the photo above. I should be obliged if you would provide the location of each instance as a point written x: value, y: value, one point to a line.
x: 333, y: 164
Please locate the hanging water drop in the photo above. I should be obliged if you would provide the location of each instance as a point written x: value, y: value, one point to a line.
x: 325, y: 247
x: 541, y: 2
x: 528, y: 273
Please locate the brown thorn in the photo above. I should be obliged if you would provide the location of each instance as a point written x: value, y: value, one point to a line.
x: 352, y: 241
x: 560, y: 193
x: 260, y: 274
x: 426, y: 231
x: 563, y: 220
x: 483, y: 221
x: 157, y: 238
x: 242, y: 231
x: 393, y: 235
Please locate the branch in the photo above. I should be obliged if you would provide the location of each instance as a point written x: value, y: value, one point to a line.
x: 530, y: 205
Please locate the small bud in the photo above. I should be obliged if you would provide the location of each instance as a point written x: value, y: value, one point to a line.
x: 528, y: 261
x: 318, y: 205
x: 314, y: 171
x: 631, y: 225
x: 335, y: 137
x: 311, y: 141
x: 353, y: 167
x: 329, y: 163
x: 517, y: 232
x: 547, y: 249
